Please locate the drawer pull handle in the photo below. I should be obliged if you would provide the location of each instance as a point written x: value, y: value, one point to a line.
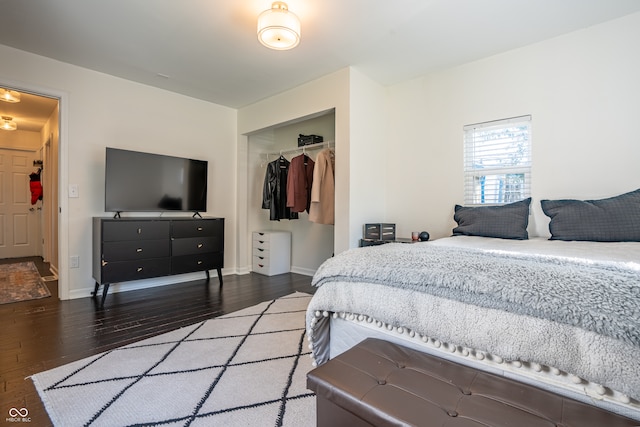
x: 260, y: 265
x: 199, y: 228
x: 199, y: 262
x: 262, y: 234
x: 200, y: 245
x: 139, y: 230
x: 261, y: 257
x: 139, y: 269
x: 261, y: 241
x: 139, y: 250
x: 261, y: 250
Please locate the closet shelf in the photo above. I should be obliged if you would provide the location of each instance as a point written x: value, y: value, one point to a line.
x: 303, y: 149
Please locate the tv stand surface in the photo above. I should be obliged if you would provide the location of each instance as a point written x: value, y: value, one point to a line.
x: 135, y: 248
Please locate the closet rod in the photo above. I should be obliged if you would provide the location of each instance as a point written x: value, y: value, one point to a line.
x: 302, y: 149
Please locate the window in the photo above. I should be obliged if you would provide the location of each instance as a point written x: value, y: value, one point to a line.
x: 497, y: 161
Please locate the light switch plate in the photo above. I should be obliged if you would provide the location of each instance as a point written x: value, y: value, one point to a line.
x: 73, y: 190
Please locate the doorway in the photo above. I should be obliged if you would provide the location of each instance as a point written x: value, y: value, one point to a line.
x: 29, y: 175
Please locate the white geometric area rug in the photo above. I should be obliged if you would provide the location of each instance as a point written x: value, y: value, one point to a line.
x: 247, y: 368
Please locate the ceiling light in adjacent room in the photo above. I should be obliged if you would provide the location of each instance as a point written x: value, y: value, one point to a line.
x: 8, y: 124
x: 278, y: 28
x: 7, y: 95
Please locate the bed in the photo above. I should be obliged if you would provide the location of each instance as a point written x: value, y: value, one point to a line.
x: 557, y: 313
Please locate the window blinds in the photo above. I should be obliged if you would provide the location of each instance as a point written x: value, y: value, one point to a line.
x: 497, y: 161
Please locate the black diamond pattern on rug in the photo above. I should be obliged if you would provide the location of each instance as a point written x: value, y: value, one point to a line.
x: 245, y: 368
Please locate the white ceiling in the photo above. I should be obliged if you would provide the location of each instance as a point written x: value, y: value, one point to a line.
x: 31, y: 113
x: 208, y: 49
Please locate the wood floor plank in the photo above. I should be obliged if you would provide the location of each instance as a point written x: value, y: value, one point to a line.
x: 42, y: 334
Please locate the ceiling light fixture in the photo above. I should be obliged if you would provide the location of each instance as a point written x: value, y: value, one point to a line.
x: 278, y: 28
x: 7, y: 95
x: 8, y: 124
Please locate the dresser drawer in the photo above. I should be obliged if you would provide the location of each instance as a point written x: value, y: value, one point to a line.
x: 261, y: 236
x: 261, y: 244
x: 189, y: 263
x: 195, y: 245
x: 123, y: 271
x: 260, y: 251
x: 134, y: 230
x: 262, y: 258
x: 261, y: 267
x: 135, y: 250
x: 195, y: 228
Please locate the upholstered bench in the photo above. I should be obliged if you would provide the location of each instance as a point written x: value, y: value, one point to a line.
x: 383, y: 384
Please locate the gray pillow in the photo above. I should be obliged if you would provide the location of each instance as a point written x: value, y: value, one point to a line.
x: 616, y: 219
x: 506, y: 221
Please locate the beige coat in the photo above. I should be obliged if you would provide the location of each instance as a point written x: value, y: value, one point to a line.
x: 322, y: 210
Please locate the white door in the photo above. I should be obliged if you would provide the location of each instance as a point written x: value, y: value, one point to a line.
x: 19, y: 219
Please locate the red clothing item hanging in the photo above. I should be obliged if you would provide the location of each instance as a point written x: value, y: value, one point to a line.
x: 35, y: 186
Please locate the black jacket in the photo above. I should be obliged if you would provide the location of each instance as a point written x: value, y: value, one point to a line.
x: 274, y: 190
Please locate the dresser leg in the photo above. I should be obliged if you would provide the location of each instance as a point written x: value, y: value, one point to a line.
x: 208, y: 277
x: 104, y: 294
x: 95, y: 289
x: 220, y: 275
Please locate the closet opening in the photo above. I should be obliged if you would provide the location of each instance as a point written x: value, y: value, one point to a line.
x: 311, y: 234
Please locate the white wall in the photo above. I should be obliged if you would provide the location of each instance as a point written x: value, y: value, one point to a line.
x: 369, y: 150
x: 583, y: 92
x: 99, y: 111
x: 20, y: 140
x: 50, y: 142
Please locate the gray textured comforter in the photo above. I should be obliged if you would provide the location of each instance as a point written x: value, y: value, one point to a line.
x: 579, y: 316
x: 597, y: 296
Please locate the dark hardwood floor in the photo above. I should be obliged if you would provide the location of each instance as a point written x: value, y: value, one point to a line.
x: 42, y: 334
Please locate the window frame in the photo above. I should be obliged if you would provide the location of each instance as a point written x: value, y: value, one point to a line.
x: 478, y: 142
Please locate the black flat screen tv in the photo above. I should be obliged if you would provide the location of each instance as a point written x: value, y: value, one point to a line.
x: 146, y: 182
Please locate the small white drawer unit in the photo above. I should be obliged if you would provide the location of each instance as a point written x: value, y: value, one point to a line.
x: 271, y: 252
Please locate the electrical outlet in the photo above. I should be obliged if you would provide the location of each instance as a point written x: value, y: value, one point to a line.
x: 73, y: 190
x: 74, y: 261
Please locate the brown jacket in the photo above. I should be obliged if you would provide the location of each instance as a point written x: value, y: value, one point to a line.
x: 299, y: 183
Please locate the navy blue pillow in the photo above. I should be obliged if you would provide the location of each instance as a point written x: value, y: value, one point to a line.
x: 616, y: 219
x: 505, y: 221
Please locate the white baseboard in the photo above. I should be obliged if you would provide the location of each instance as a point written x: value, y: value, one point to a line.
x: 244, y: 270
x: 304, y: 271
x: 298, y: 270
x: 135, y: 285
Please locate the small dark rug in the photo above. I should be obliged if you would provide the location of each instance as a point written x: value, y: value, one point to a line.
x: 21, y: 282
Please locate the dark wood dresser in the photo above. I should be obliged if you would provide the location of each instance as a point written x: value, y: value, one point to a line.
x: 127, y: 249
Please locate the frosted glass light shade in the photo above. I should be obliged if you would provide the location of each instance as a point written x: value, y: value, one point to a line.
x: 278, y: 28
x: 8, y: 124
x: 7, y: 95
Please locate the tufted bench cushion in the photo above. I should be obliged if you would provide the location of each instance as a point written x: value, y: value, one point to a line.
x: 380, y: 383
